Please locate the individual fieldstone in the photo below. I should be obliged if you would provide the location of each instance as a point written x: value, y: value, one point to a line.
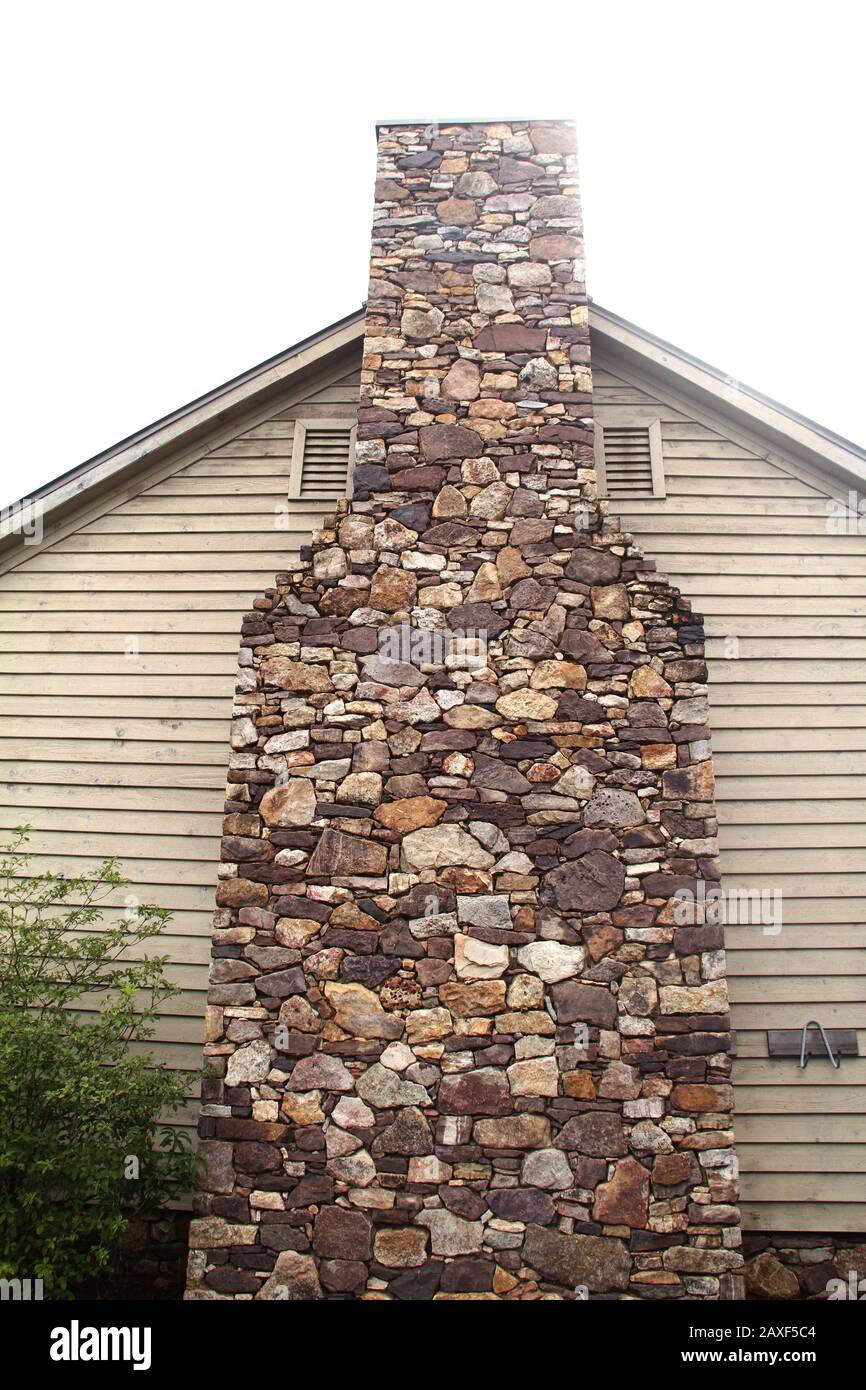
x: 478, y: 960
x: 385, y: 670
x: 593, y: 883
x: 610, y: 601
x: 393, y: 589
x: 438, y: 846
x: 428, y: 1025
x: 526, y: 704
x: 539, y: 375
x: 358, y: 1011
x: 539, y: 1076
x: 462, y: 382
x: 219, y: 1173
x: 475, y: 998
x: 337, y: 853
x: 491, y: 502
x: 249, y: 1065
x: 361, y: 789
x: 484, y: 910
x: 423, y: 324
x: 339, y: 1234
x: 548, y: 1168
x: 303, y: 1107
x: 352, y: 1113
x: 297, y: 676
x: 409, y: 1134
x: 552, y: 960
x: 562, y: 675
x: 383, y: 1089
x: 320, y: 1071
x: 623, y: 1201
x: 400, y: 1247
x: 450, y: 1234
x: 711, y: 998
x: 600, y: 1264
x: 448, y: 441
x: 767, y: 1277
x: 514, y: 1132
x: 482, y: 1092
x: 612, y: 807
x: 294, y: 1278
x: 576, y: 1002
x: 647, y: 684
x: 599, y: 1134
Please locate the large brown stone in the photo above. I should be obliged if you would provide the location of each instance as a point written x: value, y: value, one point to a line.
x: 623, y: 1201
x: 342, y: 1235
x: 294, y: 1278
x: 448, y: 442
x: 401, y: 1247
x: 338, y: 853
x: 301, y: 677
x: 593, y: 883
x: 596, y: 1262
x: 241, y: 892
x: 767, y: 1277
x: 482, y: 1092
x: 473, y: 999
x: 359, y: 1013
x: 591, y: 566
x: 576, y: 1002
x: 597, y: 1133
x: 694, y: 1096
x: 393, y: 590
x: 694, y: 783
x: 462, y: 382
x: 410, y: 813
x: 514, y: 1132
x: 294, y: 803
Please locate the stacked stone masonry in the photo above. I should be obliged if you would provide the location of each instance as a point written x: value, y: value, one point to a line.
x: 462, y: 1043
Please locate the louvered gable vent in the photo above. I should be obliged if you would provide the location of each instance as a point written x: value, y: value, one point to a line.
x: 629, y: 458
x: 322, y: 460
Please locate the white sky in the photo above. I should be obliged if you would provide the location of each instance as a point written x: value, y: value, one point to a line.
x: 188, y: 186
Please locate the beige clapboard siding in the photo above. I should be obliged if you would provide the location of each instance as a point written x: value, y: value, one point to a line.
x: 107, y: 754
x: 747, y: 541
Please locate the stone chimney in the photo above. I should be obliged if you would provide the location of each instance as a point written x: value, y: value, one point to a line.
x: 469, y: 1022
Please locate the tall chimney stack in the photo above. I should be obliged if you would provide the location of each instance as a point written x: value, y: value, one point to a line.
x: 490, y: 1048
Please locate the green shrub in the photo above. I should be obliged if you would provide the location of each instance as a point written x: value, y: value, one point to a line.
x: 82, y: 1149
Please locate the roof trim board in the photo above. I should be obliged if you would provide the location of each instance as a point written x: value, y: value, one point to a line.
x: 186, y: 423
x: 702, y: 385
x: 706, y: 385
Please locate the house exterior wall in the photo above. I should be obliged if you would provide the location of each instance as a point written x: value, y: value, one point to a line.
x: 132, y: 762
x: 105, y: 753
x: 746, y: 538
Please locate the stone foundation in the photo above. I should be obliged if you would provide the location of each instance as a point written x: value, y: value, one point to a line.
x: 466, y: 1041
x: 805, y: 1265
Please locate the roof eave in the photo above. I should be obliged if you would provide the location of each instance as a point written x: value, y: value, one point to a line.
x: 197, y: 416
x: 783, y: 429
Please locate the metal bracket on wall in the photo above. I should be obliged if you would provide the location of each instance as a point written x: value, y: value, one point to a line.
x: 795, y: 1042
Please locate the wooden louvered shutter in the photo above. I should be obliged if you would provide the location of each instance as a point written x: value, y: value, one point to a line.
x: 629, y: 458
x: 322, y: 460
